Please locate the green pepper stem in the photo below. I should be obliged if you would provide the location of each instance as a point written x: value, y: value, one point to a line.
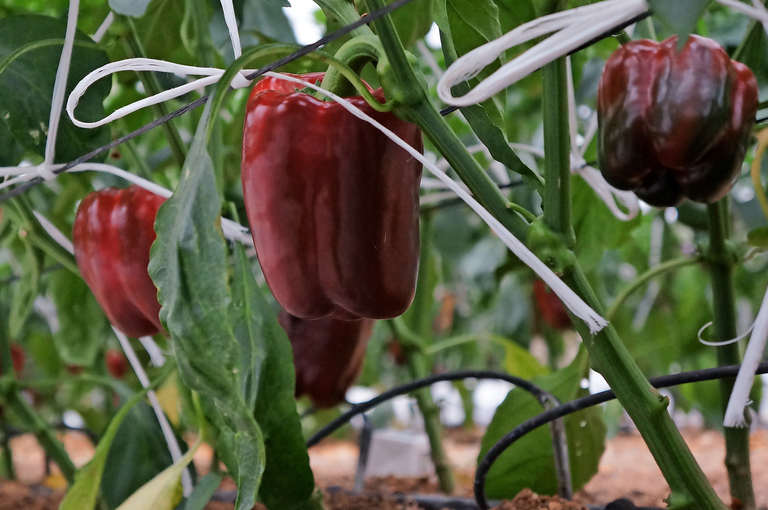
x: 355, y: 53
x: 666, y: 267
x: 721, y: 267
x: 608, y: 355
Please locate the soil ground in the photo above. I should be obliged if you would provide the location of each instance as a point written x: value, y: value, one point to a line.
x: 626, y: 470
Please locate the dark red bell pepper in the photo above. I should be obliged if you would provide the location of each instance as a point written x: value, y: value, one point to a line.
x: 674, y: 125
x: 328, y: 355
x: 112, y: 234
x: 550, y: 307
x: 117, y: 365
x: 332, y: 203
x: 18, y: 358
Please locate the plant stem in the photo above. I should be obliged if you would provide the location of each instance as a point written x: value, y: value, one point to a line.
x: 557, y: 194
x: 608, y: 355
x: 344, y: 13
x: 416, y: 325
x: 134, y: 48
x: 666, y: 267
x: 721, y: 266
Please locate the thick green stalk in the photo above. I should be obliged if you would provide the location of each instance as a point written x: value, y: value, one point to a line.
x: 648, y: 408
x: 419, y: 320
x: 134, y: 48
x: 343, y: 12
x: 557, y: 195
x: 608, y: 355
x: 721, y: 264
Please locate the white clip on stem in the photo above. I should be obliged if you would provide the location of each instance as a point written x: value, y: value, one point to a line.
x: 574, y: 27
x: 734, y: 413
x: 569, y: 298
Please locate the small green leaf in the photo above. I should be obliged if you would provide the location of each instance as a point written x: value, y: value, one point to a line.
x: 529, y: 462
x: 26, y: 85
x: 133, y: 8
x: 518, y: 361
x: 82, y: 324
x: 82, y: 495
x: 164, y: 491
x: 680, y: 15
x: 758, y: 237
x: 26, y: 289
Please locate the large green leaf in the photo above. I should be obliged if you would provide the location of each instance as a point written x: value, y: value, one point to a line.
x: 529, y: 462
x: 82, y: 324
x: 412, y: 21
x: 189, y: 266
x: 270, y: 363
x: 10, y: 150
x: 30, y: 49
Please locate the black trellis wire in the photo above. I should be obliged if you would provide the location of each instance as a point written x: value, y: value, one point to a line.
x: 304, y: 50
x: 548, y: 416
x: 546, y: 399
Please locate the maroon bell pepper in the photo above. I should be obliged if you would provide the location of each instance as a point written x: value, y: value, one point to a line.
x: 332, y: 203
x: 328, y: 355
x: 113, y: 231
x: 674, y: 125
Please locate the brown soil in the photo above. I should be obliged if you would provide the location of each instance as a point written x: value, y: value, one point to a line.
x: 626, y: 470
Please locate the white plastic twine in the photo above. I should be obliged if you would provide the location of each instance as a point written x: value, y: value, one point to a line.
x: 734, y: 413
x: 574, y: 27
x: 570, y: 299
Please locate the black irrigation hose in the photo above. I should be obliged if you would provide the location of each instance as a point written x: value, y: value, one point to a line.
x: 542, y: 396
x: 583, y: 403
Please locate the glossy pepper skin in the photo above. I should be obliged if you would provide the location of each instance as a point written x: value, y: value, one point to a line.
x: 112, y: 234
x: 328, y: 355
x: 332, y: 204
x: 674, y: 125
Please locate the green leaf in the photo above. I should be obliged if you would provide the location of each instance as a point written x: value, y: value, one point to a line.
x: 472, y: 24
x: 758, y: 237
x: 518, y: 361
x: 189, y: 267
x: 489, y: 132
x: 82, y: 495
x: 10, y: 150
x: 164, y: 491
x: 203, y: 492
x: 82, y: 324
x: 275, y: 407
x: 680, y: 15
x: 134, y: 8
x: 138, y: 454
x: 412, y: 21
x: 266, y: 18
x: 159, y: 30
x: 529, y: 462
x: 26, y: 289
x: 27, y: 79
